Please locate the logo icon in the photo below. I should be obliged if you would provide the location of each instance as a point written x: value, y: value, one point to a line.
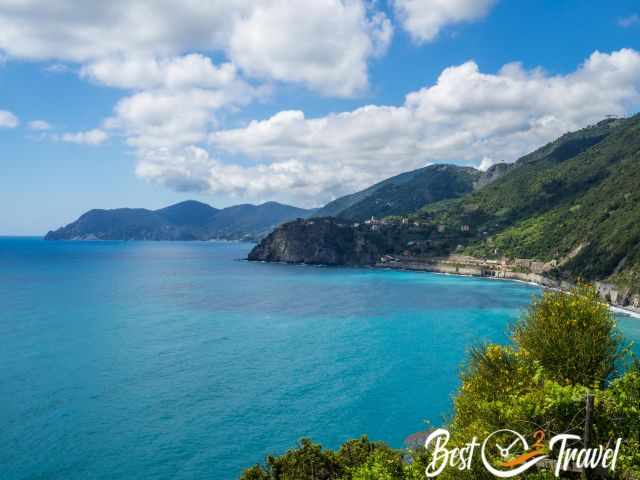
x: 512, y: 451
x: 506, y: 453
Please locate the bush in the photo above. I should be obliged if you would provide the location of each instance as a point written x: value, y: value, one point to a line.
x: 382, y: 465
x: 308, y: 461
x: 573, y: 336
x: 359, y: 459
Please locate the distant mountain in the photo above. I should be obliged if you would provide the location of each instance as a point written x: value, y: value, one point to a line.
x: 189, y: 220
x: 189, y: 212
x: 566, y: 211
x: 404, y: 193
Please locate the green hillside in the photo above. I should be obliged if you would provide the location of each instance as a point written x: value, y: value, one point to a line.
x: 404, y: 193
x: 576, y: 200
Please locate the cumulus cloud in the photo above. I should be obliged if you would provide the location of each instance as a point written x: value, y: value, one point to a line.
x: 80, y: 31
x: 8, y: 119
x: 177, y: 99
x: 174, y: 101
x: 467, y: 116
x: 629, y: 21
x: 424, y: 19
x: 192, y: 168
x: 165, y: 118
x: 144, y: 72
x: 88, y: 137
x: 323, y: 45
x: 39, y: 125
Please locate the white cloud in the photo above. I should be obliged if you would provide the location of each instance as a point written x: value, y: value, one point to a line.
x: 177, y: 101
x: 173, y: 103
x: 324, y: 45
x: 89, y: 137
x: 8, y: 119
x: 39, y: 125
x: 193, y: 169
x: 424, y: 19
x: 80, y: 31
x: 131, y: 72
x: 467, y: 117
x: 629, y: 21
x: 165, y: 118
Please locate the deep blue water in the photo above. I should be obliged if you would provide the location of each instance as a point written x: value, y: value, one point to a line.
x: 132, y: 360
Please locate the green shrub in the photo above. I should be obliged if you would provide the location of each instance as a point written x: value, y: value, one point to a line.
x: 573, y: 336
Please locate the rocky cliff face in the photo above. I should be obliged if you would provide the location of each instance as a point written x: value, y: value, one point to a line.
x: 321, y: 241
x: 492, y: 174
x: 619, y: 297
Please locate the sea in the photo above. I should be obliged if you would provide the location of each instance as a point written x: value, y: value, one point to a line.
x: 181, y: 360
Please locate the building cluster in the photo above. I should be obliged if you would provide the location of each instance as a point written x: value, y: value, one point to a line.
x: 375, y: 224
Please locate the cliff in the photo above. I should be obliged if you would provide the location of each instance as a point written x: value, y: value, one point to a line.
x: 321, y: 241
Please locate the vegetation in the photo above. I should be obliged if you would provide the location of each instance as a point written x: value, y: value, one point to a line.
x: 404, y: 193
x: 358, y: 459
x: 565, y: 347
x: 571, y: 336
x: 575, y: 199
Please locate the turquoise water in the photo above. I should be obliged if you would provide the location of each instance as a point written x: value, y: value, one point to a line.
x: 125, y: 360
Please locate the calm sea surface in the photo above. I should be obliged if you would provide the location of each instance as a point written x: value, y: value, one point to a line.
x: 133, y: 360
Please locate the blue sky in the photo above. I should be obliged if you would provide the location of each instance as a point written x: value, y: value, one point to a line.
x: 253, y: 101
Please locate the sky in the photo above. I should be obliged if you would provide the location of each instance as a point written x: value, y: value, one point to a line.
x: 144, y: 103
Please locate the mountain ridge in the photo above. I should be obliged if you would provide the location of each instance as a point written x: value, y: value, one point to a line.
x: 407, y: 191
x: 187, y: 220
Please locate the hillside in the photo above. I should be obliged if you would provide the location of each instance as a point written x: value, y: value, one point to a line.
x: 404, y: 193
x: 189, y: 220
x: 573, y: 205
x: 575, y: 201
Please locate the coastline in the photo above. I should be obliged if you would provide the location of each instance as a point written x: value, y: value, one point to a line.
x: 455, y: 267
x: 546, y: 283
